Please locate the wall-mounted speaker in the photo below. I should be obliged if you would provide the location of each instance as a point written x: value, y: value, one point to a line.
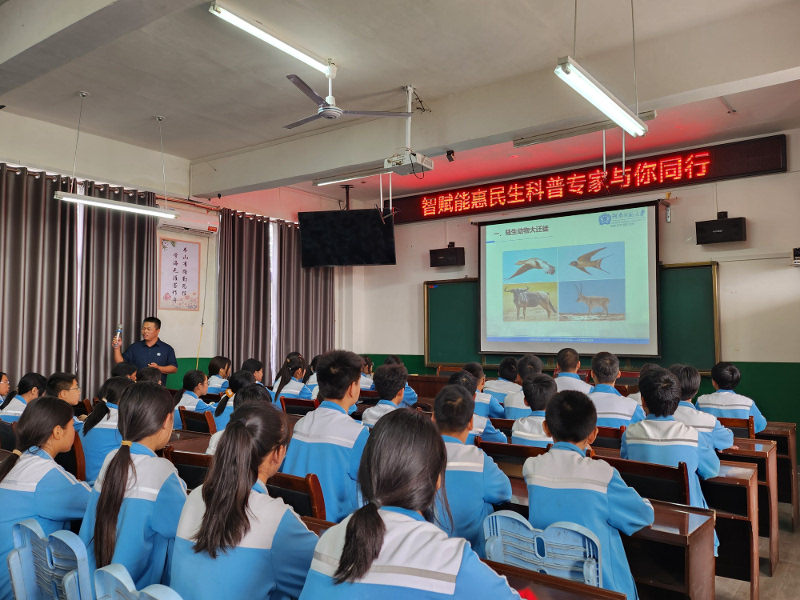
x: 447, y: 257
x: 721, y: 230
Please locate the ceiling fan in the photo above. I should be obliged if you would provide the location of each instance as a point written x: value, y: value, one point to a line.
x: 327, y: 108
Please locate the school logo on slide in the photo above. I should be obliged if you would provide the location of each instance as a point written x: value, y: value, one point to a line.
x: 605, y: 219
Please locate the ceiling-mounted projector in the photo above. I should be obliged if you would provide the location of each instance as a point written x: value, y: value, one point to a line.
x: 408, y: 162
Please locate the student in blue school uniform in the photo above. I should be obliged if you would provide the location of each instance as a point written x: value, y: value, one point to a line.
x: 725, y: 402
x: 227, y: 403
x: 234, y: 540
x: 249, y: 394
x: 32, y: 385
x: 366, y: 373
x: 32, y: 485
x: 133, y: 512
x: 660, y: 439
x: 529, y: 431
x: 311, y: 376
x: 327, y: 441
x: 613, y: 409
x: 256, y: 367
x: 481, y: 426
x: 488, y: 406
x: 484, y: 403
x: 390, y: 383
x: 507, y: 382
x: 718, y: 436
x: 100, y: 434
x: 409, y: 395
x: 389, y: 547
x: 565, y: 485
x: 219, y: 369
x: 514, y: 403
x: 124, y: 369
x: 195, y: 384
x: 290, y: 379
x: 569, y: 363
x: 473, y: 481
x: 637, y: 396
x: 148, y: 375
x: 64, y: 386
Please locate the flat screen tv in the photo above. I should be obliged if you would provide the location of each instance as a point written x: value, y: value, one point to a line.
x: 347, y: 237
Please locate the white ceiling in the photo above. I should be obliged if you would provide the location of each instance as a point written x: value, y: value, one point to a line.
x: 222, y: 90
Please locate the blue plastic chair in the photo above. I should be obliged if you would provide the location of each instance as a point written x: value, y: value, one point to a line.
x: 42, y: 568
x: 114, y: 583
x: 565, y: 550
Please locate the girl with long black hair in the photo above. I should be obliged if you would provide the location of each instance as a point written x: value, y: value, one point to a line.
x: 234, y: 540
x: 32, y: 385
x: 195, y: 384
x: 133, y: 512
x: 290, y: 379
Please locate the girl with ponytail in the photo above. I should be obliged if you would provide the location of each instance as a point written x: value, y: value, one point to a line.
x: 234, y: 540
x: 290, y: 379
x: 195, y: 384
x: 391, y: 541
x: 133, y: 512
x: 225, y: 406
x: 100, y: 434
x: 32, y: 385
x: 219, y: 369
x: 32, y: 485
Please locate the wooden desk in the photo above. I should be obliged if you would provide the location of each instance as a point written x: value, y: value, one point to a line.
x: 785, y: 435
x: 184, y: 434
x: 197, y: 445
x: 427, y: 385
x: 762, y: 453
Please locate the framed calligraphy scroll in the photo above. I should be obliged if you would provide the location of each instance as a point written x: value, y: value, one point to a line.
x: 179, y: 287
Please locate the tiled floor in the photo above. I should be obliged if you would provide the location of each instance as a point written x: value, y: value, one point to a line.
x: 785, y: 583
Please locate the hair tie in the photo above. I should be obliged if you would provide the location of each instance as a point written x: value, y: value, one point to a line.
x: 229, y: 393
x: 375, y: 503
x: 17, y: 452
x: 127, y: 443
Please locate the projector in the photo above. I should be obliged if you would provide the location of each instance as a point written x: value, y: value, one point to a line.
x: 408, y: 162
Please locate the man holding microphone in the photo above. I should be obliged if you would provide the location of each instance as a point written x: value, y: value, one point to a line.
x: 149, y: 351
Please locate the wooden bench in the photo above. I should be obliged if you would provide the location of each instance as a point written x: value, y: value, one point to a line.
x: 202, y: 422
x: 741, y: 428
x: 296, y: 406
x: 503, y: 425
x: 656, y: 482
x: 211, y: 398
x: 609, y: 437
x: 785, y: 436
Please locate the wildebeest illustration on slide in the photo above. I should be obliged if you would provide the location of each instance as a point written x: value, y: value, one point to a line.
x: 533, y: 263
x: 524, y: 298
x: 586, y: 261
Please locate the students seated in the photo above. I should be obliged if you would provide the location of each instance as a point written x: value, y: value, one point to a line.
x: 124, y: 369
x: 64, y: 386
x: 481, y: 426
x: 311, y: 376
x: 256, y: 367
x: 219, y: 369
x: 514, y: 403
x: 529, y: 431
x: 32, y: 385
x: 717, y: 436
x: 227, y: 403
x: 473, y: 481
x: 482, y: 398
x: 409, y: 395
x: 637, y: 396
x: 32, y: 485
x: 233, y: 539
x: 613, y: 409
x: 99, y: 434
x: 289, y: 382
x: 565, y: 485
x: 195, y: 384
x: 727, y: 403
x: 662, y: 440
x: 390, y: 383
x: 507, y: 382
x: 366, y: 373
x: 132, y: 514
x: 148, y: 375
x: 327, y: 441
x: 485, y: 405
x: 388, y: 547
x: 249, y: 394
x: 569, y: 362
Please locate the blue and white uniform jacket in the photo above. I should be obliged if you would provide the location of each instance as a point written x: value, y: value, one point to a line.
x: 13, y: 411
x: 372, y: 414
x: 728, y: 404
x: 312, y: 384
x: 500, y: 387
x: 528, y: 431
x: 565, y: 485
x: 217, y: 385
x: 329, y: 443
x: 474, y: 483
x: 481, y: 426
x: 148, y: 517
x: 214, y: 442
x: 417, y: 562
x: 637, y: 397
x: 718, y: 437
x: 487, y: 405
x: 191, y: 402
x: 572, y: 381
x: 614, y: 409
x: 366, y: 382
x: 515, y: 407
x: 293, y: 389
x: 409, y: 397
x: 272, y: 560
x: 37, y: 488
x: 103, y: 438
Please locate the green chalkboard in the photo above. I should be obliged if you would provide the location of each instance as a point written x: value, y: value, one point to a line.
x: 688, y: 319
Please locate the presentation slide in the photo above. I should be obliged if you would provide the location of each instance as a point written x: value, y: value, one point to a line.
x: 583, y: 280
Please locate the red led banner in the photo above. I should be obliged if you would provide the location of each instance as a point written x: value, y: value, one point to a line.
x: 713, y: 163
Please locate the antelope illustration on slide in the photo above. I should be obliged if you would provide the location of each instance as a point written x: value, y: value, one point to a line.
x: 592, y: 301
x: 524, y: 299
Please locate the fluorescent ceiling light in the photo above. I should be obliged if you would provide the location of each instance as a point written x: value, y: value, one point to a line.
x: 258, y: 31
x: 115, y: 205
x: 350, y: 176
x: 561, y: 134
x: 591, y: 89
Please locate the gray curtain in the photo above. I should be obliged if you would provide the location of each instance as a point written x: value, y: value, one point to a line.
x: 243, y: 290
x: 38, y: 274
x: 305, y: 300
x: 118, y: 280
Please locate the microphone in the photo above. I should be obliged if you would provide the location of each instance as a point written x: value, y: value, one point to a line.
x: 118, y: 335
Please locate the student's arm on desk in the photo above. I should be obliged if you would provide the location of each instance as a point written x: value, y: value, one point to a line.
x: 627, y: 510
x: 709, y: 461
x: 759, y: 422
x: 496, y: 484
x: 722, y: 437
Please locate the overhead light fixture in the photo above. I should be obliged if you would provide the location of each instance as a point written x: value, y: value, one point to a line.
x: 561, y: 134
x: 350, y: 176
x: 591, y: 89
x: 114, y: 205
x: 257, y: 30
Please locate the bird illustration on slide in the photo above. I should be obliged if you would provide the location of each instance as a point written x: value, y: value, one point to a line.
x: 533, y: 263
x: 586, y: 261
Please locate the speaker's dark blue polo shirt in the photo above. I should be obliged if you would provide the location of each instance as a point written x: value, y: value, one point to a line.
x: 141, y: 355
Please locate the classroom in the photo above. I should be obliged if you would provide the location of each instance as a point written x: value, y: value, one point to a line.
x: 339, y: 209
